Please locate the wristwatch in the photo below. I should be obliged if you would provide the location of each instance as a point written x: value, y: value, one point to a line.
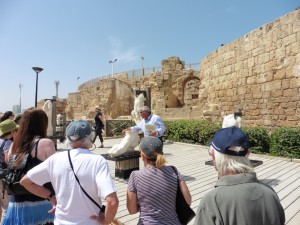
x: 50, y: 196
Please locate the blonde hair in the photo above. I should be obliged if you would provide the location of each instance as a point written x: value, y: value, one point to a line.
x: 158, y: 161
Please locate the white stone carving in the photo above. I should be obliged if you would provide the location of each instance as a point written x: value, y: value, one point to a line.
x: 128, y: 143
x: 138, y: 104
x: 230, y: 121
x: 48, y: 110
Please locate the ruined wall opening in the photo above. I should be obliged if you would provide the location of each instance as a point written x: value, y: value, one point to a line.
x: 191, y: 91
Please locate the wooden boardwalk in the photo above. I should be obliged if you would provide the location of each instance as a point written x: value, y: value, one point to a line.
x: 281, y: 174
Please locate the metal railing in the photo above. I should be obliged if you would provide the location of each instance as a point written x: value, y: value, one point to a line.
x: 137, y: 73
x: 114, y: 127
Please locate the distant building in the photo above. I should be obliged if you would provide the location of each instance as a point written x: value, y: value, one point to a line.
x: 16, y: 109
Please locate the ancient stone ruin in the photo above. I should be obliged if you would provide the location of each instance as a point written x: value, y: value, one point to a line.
x: 258, y: 73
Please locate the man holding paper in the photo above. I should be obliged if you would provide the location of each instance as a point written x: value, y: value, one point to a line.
x: 151, y: 124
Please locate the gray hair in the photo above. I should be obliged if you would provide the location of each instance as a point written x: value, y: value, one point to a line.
x: 232, y: 164
x: 86, y: 142
x: 145, y: 109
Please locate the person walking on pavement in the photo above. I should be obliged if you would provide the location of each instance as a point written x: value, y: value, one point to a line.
x: 99, y: 125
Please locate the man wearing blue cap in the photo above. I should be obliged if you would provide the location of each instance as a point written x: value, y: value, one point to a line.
x: 80, y: 178
x: 239, y: 198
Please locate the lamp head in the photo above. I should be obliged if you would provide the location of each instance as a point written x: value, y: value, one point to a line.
x: 37, y: 69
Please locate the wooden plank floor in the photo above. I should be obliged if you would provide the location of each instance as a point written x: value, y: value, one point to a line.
x: 281, y: 174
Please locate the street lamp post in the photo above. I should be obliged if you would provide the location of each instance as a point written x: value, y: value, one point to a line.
x: 20, y: 86
x: 56, y: 82
x: 37, y: 70
x: 78, y: 82
x: 112, y: 62
x: 142, y: 58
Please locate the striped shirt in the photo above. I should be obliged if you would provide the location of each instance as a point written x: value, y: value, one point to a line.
x: 156, y: 190
x: 4, y: 149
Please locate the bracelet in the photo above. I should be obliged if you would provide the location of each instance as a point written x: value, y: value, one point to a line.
x: 50, y: 196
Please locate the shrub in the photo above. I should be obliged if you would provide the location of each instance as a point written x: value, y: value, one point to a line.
x: 191, y: 131
x: 259, y: 139
x: 286, y: 142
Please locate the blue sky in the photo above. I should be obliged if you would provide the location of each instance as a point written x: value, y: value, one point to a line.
x: 72, y: 38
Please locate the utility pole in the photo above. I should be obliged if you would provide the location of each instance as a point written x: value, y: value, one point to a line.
x: 142, y: 58
x: 20, y: 86
x: 112, y: 62
x: 56, y: 82
x: 78, y: 82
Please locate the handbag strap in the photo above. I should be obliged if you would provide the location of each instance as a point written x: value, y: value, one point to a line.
x: 175, y: 170
x: 80, y: 184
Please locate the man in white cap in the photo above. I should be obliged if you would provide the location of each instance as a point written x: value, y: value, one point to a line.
x: 80, y: 178
x: 239, y: 198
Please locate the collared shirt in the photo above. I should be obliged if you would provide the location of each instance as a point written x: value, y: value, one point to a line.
x: 240, y: 199
x: 152, y: 120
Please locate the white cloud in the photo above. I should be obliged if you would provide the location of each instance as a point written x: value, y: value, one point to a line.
x: 230, y: 9
x: 126, y: 56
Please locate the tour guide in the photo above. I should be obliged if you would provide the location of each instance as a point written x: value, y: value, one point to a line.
x: 151, y: 124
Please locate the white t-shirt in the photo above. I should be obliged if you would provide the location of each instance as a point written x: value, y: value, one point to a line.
x: 73, y: 206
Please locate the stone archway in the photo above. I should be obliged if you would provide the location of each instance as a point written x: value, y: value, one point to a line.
x: 191, y: 91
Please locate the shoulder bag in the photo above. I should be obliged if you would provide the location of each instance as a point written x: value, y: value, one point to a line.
x: 102, y: 208
x: 11, y: 180
x: 184, y: 212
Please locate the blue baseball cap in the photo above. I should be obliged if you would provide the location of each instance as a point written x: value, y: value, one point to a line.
x: 151, y: 144
x: 230, y: 137
x: 78, y: 130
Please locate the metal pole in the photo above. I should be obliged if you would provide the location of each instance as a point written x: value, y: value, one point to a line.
x: 37, y: 70
x: 78, y: 81
x: 36, y: 88
x: 112, y: 66
x: 20, y: 86
x: 56, y: 82
x: 142, y: 58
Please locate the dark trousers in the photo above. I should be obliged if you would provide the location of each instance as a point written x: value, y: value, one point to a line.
x: 98, y: 132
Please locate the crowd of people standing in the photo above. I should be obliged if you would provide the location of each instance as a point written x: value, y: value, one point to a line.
x: 71, y: 186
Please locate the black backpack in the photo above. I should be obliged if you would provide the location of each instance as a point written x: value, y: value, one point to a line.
x: 11, y: 180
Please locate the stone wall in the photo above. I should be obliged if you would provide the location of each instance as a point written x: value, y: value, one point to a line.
x: 258, y: 73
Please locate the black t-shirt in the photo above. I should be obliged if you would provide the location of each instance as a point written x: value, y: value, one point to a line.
x: 97, y: 120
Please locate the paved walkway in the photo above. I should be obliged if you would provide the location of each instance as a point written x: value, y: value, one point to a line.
x: 281, y: 174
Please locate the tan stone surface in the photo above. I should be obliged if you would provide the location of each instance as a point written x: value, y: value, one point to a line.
x: 258, y: 73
